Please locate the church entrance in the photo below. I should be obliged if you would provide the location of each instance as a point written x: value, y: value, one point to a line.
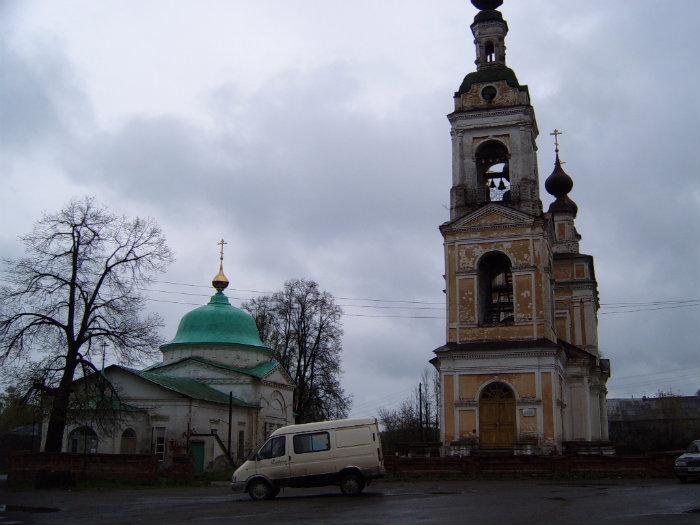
x: 497, y: 417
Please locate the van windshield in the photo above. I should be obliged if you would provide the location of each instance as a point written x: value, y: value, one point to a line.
x: 273, y: 448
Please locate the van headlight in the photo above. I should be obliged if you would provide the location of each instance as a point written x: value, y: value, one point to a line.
x: 681, y: 462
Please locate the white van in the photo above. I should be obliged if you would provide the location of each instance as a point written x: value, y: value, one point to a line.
x: 346, y: 452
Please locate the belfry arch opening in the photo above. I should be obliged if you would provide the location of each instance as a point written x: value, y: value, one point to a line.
x: 495, y: 289
x: 493, y: 171
x: 490, y: 51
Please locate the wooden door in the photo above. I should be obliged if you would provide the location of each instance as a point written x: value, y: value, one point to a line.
x: 497, y: 417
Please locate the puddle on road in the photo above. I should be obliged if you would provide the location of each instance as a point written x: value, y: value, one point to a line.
x: 692, y: 511
x: 25, y: 508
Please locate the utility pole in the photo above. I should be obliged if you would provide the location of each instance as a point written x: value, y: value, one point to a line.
x: 230, y: 412
x: 420, y: 409
x: 104, y: 351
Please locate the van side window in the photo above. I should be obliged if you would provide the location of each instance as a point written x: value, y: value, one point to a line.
x: 317, y: 442
x: 352, y: 437
x: 274, y: 448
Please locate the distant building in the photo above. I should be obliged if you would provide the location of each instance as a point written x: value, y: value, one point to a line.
x: 521, y: 362
x: 654, y: 423
x: 183, y: 401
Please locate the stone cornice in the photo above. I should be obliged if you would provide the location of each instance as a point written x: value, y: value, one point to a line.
x: 495, y: 354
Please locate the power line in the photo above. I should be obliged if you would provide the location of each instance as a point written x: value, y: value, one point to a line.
x: 344, y: 314
x: 408, y: 301
x: 658, y: 373
x: 650, y: 309
x: 670, y: 305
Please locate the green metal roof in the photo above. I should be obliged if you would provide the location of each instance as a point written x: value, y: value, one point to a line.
x: 188, y: 387
x: 218, y: 323
x: 258, y: 371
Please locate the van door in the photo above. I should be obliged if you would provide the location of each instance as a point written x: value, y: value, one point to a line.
x: 272, y: 460
x: 312, y: 458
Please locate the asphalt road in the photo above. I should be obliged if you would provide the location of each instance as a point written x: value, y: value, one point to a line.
x: 474, y: 502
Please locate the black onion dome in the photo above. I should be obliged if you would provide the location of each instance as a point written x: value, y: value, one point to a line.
x: 558, y: 183
x: 487, y: 4
x: 563, y: 205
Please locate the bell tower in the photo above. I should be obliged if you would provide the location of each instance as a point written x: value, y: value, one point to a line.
x: 493, y: 127
x: 520, y: 364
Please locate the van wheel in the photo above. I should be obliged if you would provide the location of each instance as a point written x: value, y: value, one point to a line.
x: 352, y: 484
x: 683, y: 479
x: 260, y: 490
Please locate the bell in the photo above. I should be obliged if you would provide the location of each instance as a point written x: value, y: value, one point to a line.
x: 501, y: 185
x: 492, y: 185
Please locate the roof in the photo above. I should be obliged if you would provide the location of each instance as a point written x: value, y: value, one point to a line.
x: 489, y: 74
x: 325, y: 425
x: 217, y: 323
x: 186, y: 387
x: 478, y: 346
x: 259, y: 371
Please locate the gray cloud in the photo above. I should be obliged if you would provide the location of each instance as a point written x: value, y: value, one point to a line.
x: 321, y: 173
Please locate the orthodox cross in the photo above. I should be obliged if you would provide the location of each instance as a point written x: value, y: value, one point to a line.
x: 556, y: 134
x: 221, y: 251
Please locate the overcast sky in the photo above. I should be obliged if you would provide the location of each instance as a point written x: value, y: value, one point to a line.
x: 312, y: 136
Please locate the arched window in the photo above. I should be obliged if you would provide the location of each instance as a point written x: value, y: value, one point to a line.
x: 490, y: 51
x: 492, y: 170
x: 128, y: 442
x: 497, y: 390
x: 82, y: 440
x: 495, y: 289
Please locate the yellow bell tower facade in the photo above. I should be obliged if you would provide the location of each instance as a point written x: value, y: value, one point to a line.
x: 520, y: 368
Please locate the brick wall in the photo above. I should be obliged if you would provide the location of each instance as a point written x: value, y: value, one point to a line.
x: 657, y: 466
x: 24, y: 467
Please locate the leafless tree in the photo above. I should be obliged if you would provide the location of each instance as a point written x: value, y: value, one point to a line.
x: 302, y: 325
x: 415, y: 418
x: 79, y: 284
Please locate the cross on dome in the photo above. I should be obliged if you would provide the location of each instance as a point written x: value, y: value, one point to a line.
x: 220, y: 281
x: 556, y: 134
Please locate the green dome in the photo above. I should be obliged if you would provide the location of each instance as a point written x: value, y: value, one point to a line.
x: 217, y: 323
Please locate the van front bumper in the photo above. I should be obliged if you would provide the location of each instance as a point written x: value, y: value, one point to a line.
x: 238, y: 486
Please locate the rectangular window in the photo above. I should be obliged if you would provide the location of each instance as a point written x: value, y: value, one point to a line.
x: 352, y: 437
x: 317, y: 442
x: 158, y: 443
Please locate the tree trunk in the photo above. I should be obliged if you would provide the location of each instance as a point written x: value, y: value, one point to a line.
x: 59, y: 411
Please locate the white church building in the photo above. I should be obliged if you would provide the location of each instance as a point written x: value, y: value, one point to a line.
x: 216, y: 364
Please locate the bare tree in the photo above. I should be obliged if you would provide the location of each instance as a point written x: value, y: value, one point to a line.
x: 79, y: 284
x: 415, y: 419
x: 302, y: 325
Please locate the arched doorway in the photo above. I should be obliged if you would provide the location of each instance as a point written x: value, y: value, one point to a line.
x: 128, y: 442
x: 82, y: 440
x: 497, y: 417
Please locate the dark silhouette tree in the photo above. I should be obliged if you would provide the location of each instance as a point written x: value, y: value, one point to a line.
x: 79, y: 285
x: 302, y: 325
